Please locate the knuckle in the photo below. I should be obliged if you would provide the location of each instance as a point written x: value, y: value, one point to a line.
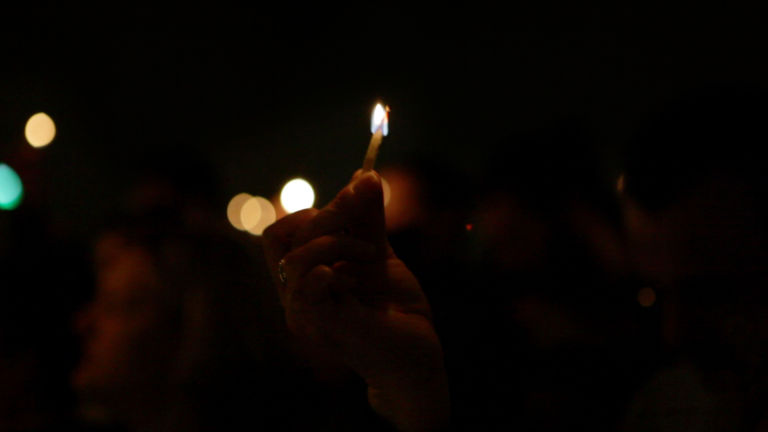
x: 307, y: 213
x: 344, y: 199
x: 271, y: 232
x: 328, y: 242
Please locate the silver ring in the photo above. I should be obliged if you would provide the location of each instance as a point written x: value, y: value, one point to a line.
x: 281, y: 272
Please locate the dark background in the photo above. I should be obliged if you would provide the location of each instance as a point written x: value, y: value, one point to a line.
x: 241, y: 100
x: 264, y: 96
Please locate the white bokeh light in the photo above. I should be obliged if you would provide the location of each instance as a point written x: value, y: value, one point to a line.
x: 297, y: 195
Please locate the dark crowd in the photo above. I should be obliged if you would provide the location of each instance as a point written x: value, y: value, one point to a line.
x: 552, y: 285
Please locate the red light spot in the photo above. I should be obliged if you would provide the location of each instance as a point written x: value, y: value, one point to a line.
x: 468, y: 227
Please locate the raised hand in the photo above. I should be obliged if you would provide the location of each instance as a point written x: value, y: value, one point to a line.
x: 344, y: 289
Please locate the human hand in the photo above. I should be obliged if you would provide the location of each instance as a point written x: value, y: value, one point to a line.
x: 347, y: 292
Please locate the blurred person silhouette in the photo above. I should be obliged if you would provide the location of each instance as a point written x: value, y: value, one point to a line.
x: 175, y: 324
x: 695, y: 212
x: 530, y: 255
x: 180, y: 334
x: 183, y: 333
x: 548, y: 274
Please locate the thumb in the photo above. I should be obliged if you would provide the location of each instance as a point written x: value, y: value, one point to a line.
x: 358, y: 208
x: 364, y: 202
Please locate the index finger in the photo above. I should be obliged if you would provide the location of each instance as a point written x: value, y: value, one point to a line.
x: 278, y: 237
x: 358, y: 207
x: 329, y: 220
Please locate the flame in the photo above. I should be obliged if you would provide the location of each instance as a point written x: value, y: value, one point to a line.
x: 380, y: 119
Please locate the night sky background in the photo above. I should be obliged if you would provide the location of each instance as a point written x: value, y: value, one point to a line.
x: 242, y: 100
x: 262, y: 96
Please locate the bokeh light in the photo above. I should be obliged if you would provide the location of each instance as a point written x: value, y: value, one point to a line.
x: 620, y: 184
x: 11, y: 188
x: 234, y: 209
x: 387, y: 191
x: 250, y: 213
x: 297, y: 195
x: 646, y: 297
x: 404, y: 206
x: 267, y: 214
x: 40, y: 130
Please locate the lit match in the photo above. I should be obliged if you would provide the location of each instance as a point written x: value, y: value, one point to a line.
x: 379, y: 129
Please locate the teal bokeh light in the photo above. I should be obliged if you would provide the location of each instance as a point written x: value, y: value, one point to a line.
x: 11, y: 189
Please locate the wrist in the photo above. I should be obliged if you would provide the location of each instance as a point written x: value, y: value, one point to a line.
x: 420, y: 402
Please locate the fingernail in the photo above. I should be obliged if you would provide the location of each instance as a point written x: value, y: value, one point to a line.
x: 372, y: 175
x: 357, y: 174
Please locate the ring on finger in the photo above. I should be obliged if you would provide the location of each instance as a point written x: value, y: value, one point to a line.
x: 281, y: 272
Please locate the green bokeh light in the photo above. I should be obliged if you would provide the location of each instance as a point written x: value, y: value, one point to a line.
x: 11, y: 189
